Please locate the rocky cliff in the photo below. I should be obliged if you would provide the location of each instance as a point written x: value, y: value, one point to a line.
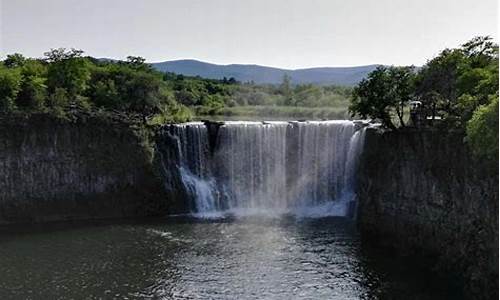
x: 420, y: 192
x: 90, y: 167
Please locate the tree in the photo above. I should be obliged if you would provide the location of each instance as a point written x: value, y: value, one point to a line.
x: 107, y: 85
x: 385, y: 91
x: 286, y: 90
x: 457, y: 81
x: 14, y: 60
x: 33, y: 93
x: 105, y: 93
x: 481, y: 50
x: 66, y: 80
x: 307, y: 95
x: 402, y: 83
x: 60, y: 54
x: 10, y: 85
x: 436, y: 84
x: 58, y: 100
x: 67, y: 70
x: 138, y: 63
x: 478, y: 76
x: 482, y: 132
x: 143, y: 94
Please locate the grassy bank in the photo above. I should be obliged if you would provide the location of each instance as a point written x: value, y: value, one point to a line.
x: 274, y: 112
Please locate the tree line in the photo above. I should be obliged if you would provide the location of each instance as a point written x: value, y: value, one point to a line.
x: 65, y: 80
x: 215, y: 94
x: 459, y: 86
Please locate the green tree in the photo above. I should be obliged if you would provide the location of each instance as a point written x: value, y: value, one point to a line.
x: 107, y: 85
x: 58, y: 101
x: 307, y: 95
x: 383, y: 93
x: 105, y: 94
x: 138, y: 63
x: 402, y: 81
x: 482, y: 132
x: 436, y: 84
x: 478, y: 76
x: 457, y: 81
x: 33, y: 93
x: 67, y: 70
x: 15, y: 60
x: 286, y: 90
x: 59, y: 98
x: 10, y: 85
x: 143, y: 92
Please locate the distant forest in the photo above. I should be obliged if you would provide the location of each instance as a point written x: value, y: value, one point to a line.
x: 66, y: 80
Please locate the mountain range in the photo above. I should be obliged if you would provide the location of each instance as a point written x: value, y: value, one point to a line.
x: 346, y: 76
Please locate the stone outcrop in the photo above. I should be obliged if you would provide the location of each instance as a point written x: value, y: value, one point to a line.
x: 421, y: 193
x: 91, y: 167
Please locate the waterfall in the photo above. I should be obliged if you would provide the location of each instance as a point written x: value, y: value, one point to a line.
x: 305, y: 168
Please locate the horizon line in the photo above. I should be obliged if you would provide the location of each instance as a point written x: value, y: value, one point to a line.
x: 268, y: 66
x: 4, y: 55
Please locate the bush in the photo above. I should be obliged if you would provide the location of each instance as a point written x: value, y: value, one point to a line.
x: 482, y: 132
x: 10, y: 85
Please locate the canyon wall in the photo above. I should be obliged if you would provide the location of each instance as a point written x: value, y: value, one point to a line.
x: 420, y: 192
x: 53, y: 169
x: 423, y: 195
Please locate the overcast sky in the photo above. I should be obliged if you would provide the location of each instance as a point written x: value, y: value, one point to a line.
x: 281, y: 33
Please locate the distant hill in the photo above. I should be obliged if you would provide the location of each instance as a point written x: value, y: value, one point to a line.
x: 260, y: 74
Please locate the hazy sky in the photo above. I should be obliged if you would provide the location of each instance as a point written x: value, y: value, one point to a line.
x: 282, y: 33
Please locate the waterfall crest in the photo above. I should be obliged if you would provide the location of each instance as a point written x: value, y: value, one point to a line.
x: 303, y: 168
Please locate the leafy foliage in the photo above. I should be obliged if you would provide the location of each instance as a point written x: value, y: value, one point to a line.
x: 386, y: 90
x: 213, y: 94
x: 460, y: 85
x: 10, y: 85
x: 465, y: 92
x: 458, y: 81
x: 65, y: 80
x: 14, y: 60
x: 67, y: 70
x: 33, y: 86
x: 482, y: 132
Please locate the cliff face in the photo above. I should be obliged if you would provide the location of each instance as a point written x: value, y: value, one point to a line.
x: 89, y: 168
x: 422, y: 194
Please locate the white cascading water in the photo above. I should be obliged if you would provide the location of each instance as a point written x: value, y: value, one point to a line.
x: 303, y: 168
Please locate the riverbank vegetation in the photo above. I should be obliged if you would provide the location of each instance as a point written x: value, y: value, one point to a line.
x: 273, y: 112
x: 456, y: 90
x: 227, y: 97
x: 65, y: 82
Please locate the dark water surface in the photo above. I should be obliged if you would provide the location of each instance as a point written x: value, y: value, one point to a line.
x: 182, y: 259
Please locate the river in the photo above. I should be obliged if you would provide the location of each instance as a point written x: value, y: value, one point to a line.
x: 177, y: 258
